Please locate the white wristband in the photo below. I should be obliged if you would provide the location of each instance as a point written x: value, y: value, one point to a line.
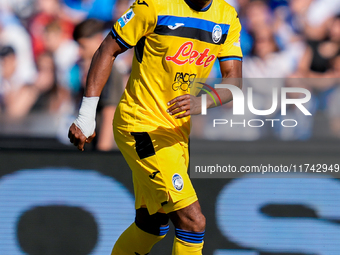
x: 86, y: 120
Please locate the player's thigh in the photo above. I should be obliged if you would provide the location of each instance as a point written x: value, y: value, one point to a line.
x: 160, y: 176
x: 151, y: 223
x: 173, y: 160
x: 141, y: 151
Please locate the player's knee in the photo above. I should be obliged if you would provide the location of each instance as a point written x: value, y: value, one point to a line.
x: 194, y: 223
x: 199, y: 223
x: 193, y: 231
x: 189, y: 218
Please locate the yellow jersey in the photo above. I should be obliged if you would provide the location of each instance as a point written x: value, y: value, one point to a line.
x: 174, y: 42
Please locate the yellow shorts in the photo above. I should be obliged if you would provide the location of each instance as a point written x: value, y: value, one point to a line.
x: 159, y: 167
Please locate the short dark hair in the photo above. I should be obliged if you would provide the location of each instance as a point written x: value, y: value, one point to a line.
x: 88, y: 28
x: 6, y: 51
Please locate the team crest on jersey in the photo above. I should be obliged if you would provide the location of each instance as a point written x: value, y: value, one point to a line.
x: 177, y: 181
x: 126, y: 18
x: 217, y: 33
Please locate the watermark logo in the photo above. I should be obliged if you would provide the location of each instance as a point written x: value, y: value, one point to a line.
x: 279, y: 103
x: 239, y: 100
x: 204, y: 96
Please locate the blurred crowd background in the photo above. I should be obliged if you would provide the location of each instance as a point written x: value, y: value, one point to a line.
x: 46, y: 48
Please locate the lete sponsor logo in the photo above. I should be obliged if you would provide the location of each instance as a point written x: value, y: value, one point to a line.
x: 186, y: 54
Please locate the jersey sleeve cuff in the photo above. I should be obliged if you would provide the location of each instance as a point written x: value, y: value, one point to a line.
x: 221, y: 59
x: 119, y: 39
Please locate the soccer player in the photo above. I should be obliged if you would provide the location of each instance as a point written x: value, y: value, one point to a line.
x: 173, y: 41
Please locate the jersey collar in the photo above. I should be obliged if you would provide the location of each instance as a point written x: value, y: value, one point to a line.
x: 196, y: 8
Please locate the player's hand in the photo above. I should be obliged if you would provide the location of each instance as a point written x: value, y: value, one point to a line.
x: 188, y: 104
x: 78, y: 138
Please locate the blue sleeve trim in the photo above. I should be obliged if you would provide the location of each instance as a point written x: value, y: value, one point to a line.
x: 119, y: 39
x: 230, y: 58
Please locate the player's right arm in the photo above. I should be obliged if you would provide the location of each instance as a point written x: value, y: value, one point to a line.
x: 82, y: 130
x: 101, y: 65
x: 140, y: 20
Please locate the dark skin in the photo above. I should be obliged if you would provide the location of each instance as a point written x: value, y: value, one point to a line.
x: 201, y: 3
x: 189, y: 218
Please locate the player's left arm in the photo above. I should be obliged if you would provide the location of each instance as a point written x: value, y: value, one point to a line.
x: 231, y: 71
